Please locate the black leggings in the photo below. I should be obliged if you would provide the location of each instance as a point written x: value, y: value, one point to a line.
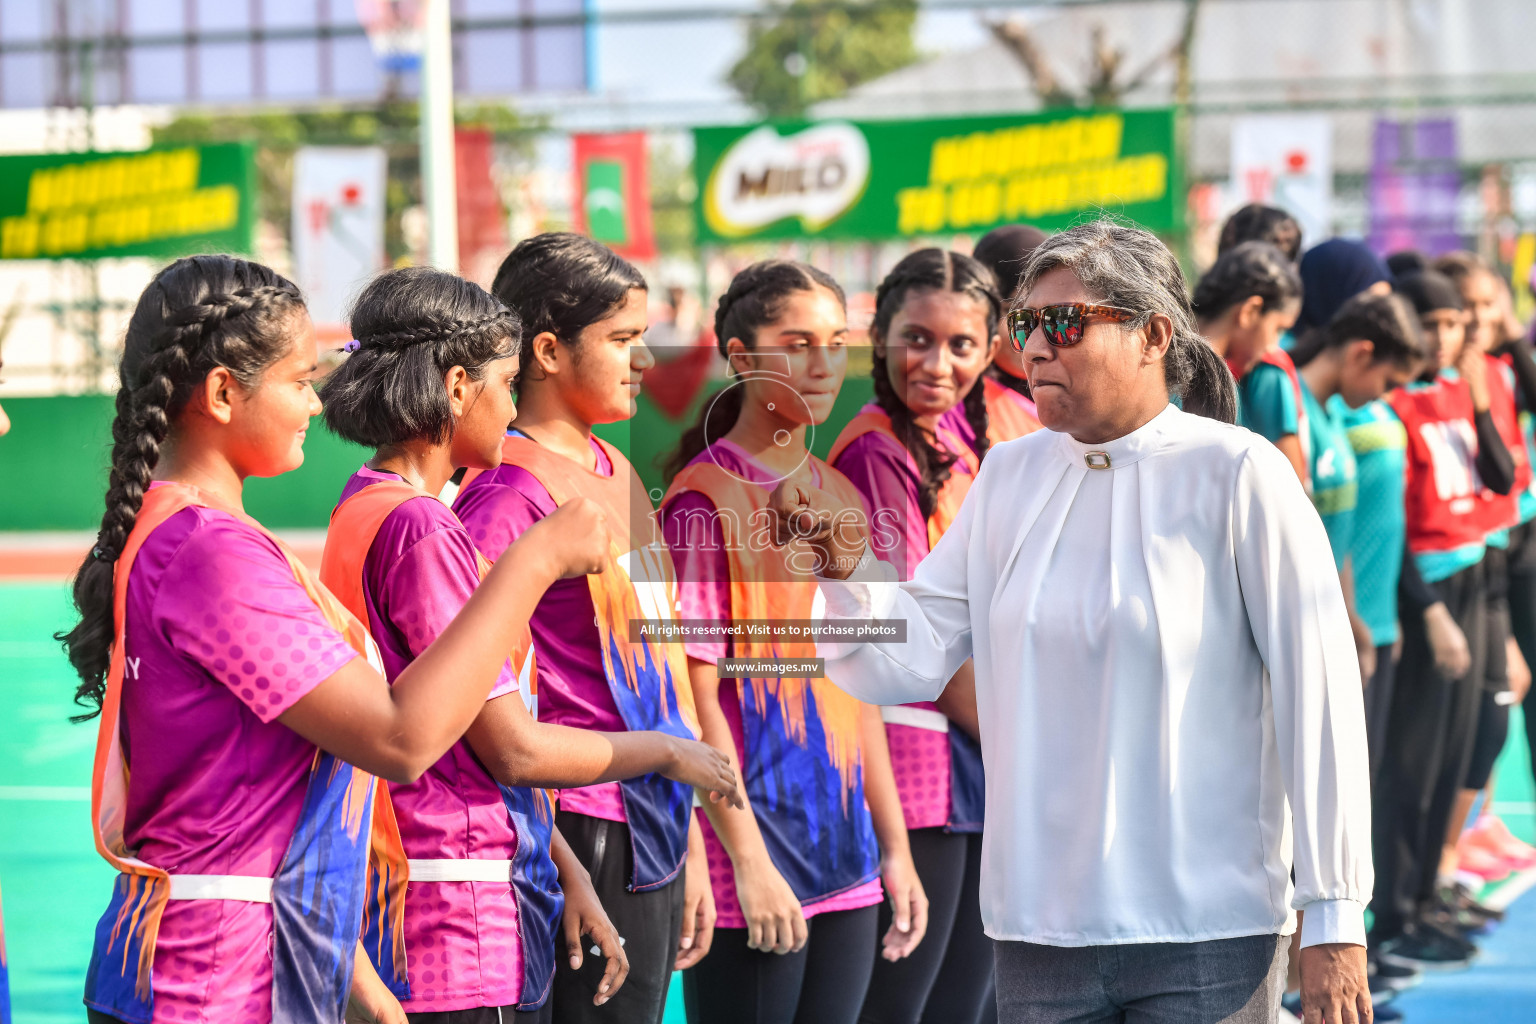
x: 824, y: 983
x: 948, y: 977
x: 1492, y: 732
x: 1430, y: 732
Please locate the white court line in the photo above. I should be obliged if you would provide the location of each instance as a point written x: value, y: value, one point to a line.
x: 1514, y: 807
x: 1511, y: 890
x: 64, y: 793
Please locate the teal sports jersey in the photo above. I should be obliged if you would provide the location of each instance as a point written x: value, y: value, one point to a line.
x: 1335, y: 484
x: 1267, y: 402
x: 1380, y: 443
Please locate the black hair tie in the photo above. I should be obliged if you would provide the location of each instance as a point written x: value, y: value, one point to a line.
x: 104, y: 553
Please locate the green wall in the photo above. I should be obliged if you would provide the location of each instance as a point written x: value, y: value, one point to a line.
x: 53, y: 463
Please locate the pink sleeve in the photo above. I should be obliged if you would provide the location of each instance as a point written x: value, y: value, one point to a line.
x: 428, y: 585
x: 229, y: 603
x: 881, y: 472
x: 497, y: 511
x: 692, y: 531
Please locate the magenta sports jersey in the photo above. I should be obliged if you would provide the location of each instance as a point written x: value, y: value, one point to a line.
x: 220, y: 640
x: 496, y: 508
x: 462, y: 939
x: 703, y: 575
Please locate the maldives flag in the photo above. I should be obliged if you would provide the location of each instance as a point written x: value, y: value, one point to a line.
x: 613, y: 193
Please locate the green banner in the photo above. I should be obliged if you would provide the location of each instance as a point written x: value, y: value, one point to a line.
x: 158, y: 202
x: 897, y: 179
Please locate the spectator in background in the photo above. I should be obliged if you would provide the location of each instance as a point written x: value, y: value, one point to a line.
x: 1010, y: 410
x: 1371, y: 345
x: 1248, y: 298
x: 1511, y: 567
x: 1258, y: 223
x: 1453, y: 445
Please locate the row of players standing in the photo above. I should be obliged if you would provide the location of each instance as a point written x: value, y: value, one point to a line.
x: 264, y: 875
x: 1403, y: 399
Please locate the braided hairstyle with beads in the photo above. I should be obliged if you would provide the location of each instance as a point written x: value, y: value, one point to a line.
x: 199, y: 313
x: 942, y: 271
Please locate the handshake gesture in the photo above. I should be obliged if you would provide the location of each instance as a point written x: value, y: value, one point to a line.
x: 836, y: 534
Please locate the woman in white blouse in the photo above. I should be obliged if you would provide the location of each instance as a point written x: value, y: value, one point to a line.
x: 1170, y: 704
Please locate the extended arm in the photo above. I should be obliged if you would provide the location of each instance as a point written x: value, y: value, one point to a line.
x: 398, y: 731
x: 519, y: 751
x: 935, y: 606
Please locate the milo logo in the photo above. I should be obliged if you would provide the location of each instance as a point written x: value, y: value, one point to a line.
x: 815, y: 175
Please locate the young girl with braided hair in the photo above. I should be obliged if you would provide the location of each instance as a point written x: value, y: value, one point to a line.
x: 1245, y: 302
x: 936, y: 317
x: 429, y: 385
x: 247, y: 701
x: 797, y: 875
x: 583, y: 311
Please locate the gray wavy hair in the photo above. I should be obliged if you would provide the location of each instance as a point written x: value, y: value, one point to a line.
x: 1127, y: 267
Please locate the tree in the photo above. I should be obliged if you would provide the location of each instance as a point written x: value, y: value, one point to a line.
x: 391, y: 124
x: 806, y: 51
x: 1107, y: 85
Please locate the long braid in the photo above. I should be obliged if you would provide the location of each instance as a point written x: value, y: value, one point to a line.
x: 171, y: 346
x: 933, y: 463
x: 975, y: 406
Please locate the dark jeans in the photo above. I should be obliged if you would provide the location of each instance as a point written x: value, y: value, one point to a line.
x: 824, y: 983
x: 1430, y: 733
x: 948, y: 977
x: 649, y: 922
x: 1238, y: 981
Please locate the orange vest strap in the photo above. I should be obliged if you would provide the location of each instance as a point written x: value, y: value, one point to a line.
x: 354, y: 525
x: 1007, y: 416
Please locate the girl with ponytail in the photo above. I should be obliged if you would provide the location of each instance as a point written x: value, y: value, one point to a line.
x: 1159, y: 636
x: 242, y: 694
x: 429, y: 385
x: 583, y: 311
x: 1246, y: 302
x: 936, y: 316
x: 797, y: 874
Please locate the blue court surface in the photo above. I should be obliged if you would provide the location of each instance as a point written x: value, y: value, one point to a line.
x: 54, y: 885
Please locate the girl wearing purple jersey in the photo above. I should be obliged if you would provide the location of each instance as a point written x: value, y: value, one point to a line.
x: 429, y: 385
x: 583, y: 311
x: 248, y: 702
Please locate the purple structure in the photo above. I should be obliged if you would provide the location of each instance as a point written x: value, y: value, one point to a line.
x: 1414, y: 184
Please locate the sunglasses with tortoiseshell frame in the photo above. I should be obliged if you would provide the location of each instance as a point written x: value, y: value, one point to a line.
x: 1061, y: 323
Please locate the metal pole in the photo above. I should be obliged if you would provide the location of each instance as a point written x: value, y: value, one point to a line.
x: 438, y: 187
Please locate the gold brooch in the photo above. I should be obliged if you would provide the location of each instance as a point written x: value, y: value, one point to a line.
x: 1097, y: 460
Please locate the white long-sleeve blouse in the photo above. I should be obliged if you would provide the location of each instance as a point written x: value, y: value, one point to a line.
x: 1167, y: 685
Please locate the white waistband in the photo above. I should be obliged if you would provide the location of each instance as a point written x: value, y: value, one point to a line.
x: 461, y: 870
x: 916, y: 718
x: 246, y: 888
